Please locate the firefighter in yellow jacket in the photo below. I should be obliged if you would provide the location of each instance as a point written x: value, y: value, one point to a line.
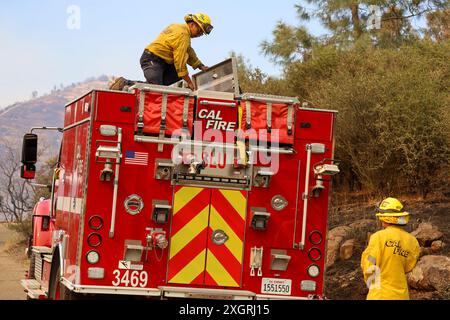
x: 390, y: 254
x: 165, y: 60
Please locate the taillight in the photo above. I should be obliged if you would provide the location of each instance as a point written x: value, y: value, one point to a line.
x: 315, y: 254
x: 96, y: 222
x: 316, y: 237
x: 94, y: 240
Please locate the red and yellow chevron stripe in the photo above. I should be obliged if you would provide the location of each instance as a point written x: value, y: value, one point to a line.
x: 189, y: 232
x: 194, y: 257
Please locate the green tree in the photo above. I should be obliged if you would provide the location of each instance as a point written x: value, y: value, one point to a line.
x: 390, y: 88
x: 348, y: 19
x: 15, y: 193
x: 255, y: 81
x: 438, y: 25
x: 390, y: 133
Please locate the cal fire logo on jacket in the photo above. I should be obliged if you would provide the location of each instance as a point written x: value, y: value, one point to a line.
x: 397, y: 248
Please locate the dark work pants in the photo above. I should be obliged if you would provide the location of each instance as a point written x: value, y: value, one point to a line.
x: 157, y: 71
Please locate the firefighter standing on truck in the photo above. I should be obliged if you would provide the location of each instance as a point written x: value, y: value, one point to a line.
x: 390, y: 254
x: 165, y: 60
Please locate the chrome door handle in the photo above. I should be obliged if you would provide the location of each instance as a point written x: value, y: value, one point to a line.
x: 219, y: 237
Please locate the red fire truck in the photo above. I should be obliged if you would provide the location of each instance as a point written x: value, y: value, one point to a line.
x: 162, y: 192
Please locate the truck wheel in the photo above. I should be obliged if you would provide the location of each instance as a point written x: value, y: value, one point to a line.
x: 54, y: 290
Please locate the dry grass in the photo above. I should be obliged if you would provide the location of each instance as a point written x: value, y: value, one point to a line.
x: 15, y: 245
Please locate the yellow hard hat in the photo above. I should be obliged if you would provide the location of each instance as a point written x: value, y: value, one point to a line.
x: 390, y: 210
x: 203, y: 21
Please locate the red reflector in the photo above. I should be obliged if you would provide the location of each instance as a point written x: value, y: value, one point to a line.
x: 315, y: 254
x: 316, y: 237
x: 96, y: 222
x: 94, y: 240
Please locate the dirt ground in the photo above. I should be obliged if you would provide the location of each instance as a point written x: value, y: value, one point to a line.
x: 12, y: 267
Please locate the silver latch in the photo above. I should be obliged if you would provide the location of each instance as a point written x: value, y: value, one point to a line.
x: 219, y: 237
x: 260, y: 219
x: 256, y: 257
x: 161, y: 211
x: 262, y: 178
x: 164, y: 169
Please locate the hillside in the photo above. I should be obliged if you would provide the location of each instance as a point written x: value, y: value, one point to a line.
x: 46, y: 110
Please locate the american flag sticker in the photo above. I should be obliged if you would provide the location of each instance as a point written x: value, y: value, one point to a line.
x: 136, y: 158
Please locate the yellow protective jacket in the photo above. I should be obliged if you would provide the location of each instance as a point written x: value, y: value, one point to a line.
x: 173, y: 45
x: 390, y: 254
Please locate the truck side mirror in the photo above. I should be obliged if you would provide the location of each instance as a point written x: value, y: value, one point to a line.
x: 29, y: 156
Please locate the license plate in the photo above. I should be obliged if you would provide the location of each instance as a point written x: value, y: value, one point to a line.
x: 276, y: 286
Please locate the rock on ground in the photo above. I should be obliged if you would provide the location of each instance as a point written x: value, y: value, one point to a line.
x: 426, y: 233
x: 347, y: 249
x: 364, y: 224
x: 431, y: 273
x: 437, y: 246
x: 335, y: 238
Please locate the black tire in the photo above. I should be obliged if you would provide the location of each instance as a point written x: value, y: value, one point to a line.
x: 55, y: 283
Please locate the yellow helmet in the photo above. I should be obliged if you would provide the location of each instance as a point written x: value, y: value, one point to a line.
x: 390, y: 210
x: 203, y: 21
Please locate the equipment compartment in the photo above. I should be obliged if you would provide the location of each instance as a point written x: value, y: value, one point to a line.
x: 164, y: 110
x: 262, y: 114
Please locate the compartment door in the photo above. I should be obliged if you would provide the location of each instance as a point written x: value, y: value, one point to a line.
x: 189, y: 236
x: 207, y: 237
x: 226, y: 238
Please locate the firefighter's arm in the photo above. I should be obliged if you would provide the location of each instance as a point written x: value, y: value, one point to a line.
x: 180, y: 55
x: 411, y: 260
x: 370, y: 257
x: 193, y: 60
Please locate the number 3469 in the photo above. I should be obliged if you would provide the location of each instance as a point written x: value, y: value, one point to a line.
x: 130, y: 278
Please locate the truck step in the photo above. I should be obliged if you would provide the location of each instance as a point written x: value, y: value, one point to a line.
x: 33, y: 289
x: 37, y: 294
x: 30, y: 284
x: 43, y: 250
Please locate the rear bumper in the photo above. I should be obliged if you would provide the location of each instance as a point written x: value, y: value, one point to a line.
x: 196, y: 293
x: 147, y: 292
x: 175, y: 292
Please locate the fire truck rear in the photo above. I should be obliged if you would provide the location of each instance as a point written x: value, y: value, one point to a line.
x: 168, y: 193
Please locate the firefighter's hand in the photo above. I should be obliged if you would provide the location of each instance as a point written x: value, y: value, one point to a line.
x: 204, y: 68
x: 191, y: 85
x: 189, y: 82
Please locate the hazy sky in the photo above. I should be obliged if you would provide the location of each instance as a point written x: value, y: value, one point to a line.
x: 44, y: 44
